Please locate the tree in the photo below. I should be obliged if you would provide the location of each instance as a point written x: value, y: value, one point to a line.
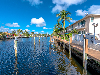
x: 19, y: 31
x: 32, y: 32
x: 74, y: 31
x: 26, y: 33
x: 14, y: 32
x: 64, y: 16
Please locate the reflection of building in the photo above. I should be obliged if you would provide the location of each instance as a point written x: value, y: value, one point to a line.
x: 84, y: 25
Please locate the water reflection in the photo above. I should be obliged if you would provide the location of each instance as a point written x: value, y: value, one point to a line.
x: 40, y: 59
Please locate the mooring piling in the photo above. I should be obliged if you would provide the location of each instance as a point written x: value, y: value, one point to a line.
x: 85, y: 51
x: 15, y: 46
x: 34, y: 40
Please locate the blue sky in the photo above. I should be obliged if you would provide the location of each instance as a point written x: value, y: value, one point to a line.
x: 40, y: 15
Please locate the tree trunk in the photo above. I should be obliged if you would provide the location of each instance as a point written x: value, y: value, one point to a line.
x: 64, y: 28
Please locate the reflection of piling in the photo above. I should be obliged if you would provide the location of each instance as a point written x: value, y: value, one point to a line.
x: 34, y: 40
x: 85, y: 51
x: 16, y: 69
x: 15, y: 47
x: 39, y: 39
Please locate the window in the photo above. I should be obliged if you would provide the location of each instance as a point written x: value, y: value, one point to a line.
x: 78, y: 24
x: 79, y: 32
x: 72, y: 26
x: 92, y: 18
x: 82, y: 32
x: 83, y: 23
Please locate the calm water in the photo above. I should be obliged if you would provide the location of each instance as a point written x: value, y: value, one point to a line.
x: 41, y: 59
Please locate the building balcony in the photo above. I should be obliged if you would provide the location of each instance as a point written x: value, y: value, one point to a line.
x: 70, y: 29
x: 79, y: 27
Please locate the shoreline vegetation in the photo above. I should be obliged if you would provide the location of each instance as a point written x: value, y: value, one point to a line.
x: 20, y: 34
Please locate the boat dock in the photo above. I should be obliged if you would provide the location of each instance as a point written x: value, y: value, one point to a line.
x: 93, y: 54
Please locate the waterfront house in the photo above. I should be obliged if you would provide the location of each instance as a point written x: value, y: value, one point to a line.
x: 84, y: 25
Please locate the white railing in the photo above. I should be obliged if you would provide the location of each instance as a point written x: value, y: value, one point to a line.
x: 78, y: 42
x: 78, y: 27
x: 69, y: 29
x: 78, y: 39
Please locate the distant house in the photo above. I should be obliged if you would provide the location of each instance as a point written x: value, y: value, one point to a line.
x: 8, y: 34
x: 84, y: 25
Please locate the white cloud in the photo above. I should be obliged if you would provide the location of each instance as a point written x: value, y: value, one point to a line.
x: 39, y: 22
x: 73, y: 21
x: 46, y: 28
x: 64, y: 4
x: 26, y: 30
x: 12, y: 25
x: 42, y: 31
x: 13, y: 29
x: 94, y: 9
x: 2, y: 29
x: 33, y: 30
x: 27, y: 26
x: 34, y: 2
x: 80, y: 12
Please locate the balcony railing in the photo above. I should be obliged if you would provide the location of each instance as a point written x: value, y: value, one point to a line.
x: 70, y: 29
x: 81, y: 26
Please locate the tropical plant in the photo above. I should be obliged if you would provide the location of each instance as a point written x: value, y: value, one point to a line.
x: 75, y: 31
x: 32, y: 32
x: 64, y: 16
x: 19, y: 31
x: 13, y: 32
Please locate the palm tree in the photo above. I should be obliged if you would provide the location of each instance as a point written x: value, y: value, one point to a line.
x: 14, y: 32
x: 19, y: 31
x: 64, y: 16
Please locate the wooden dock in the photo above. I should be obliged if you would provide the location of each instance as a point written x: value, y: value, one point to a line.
x: 91, y: 53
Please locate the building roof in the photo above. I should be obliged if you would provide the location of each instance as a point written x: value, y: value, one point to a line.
x: 90, y: 15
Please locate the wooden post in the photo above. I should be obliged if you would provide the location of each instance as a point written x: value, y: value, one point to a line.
x: 85, y: 51
x: 15, y: 46
x: 70, y: 41
x: 86, y: 46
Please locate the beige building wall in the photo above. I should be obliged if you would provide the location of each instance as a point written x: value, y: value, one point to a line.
x: 87, y: 25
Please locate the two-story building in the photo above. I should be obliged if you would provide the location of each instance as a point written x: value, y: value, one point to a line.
x: 84, y: 25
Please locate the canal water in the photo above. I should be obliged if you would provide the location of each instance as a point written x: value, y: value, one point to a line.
x: 40, y: 59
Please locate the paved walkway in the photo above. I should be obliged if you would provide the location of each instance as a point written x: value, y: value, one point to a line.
x: 91, y: 53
